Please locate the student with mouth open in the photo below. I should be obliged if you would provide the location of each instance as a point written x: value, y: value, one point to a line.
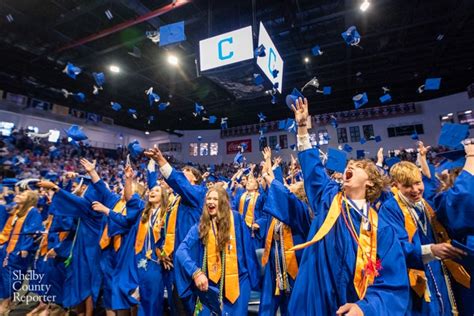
x: 352, y: 261
x: 217, y: 261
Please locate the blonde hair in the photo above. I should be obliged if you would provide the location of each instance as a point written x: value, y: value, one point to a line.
x: 406, y: 173
x: 31, y: 201
x: 447, y: 180
x: 379, y: 182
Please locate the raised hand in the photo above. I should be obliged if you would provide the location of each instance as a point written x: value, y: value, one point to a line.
x: 101, y: 208
x: 301, y: 111
x: 349, y: 309
x: 267, y: 153
x: 128, y: 172
x: 47, y: 185
x: 155, y: 154
x: 380, y: 156
x: 447, y: 251
x: 71, y: 175
x: 277, y: 161
x: 88, y: 166
x: 422, y: 150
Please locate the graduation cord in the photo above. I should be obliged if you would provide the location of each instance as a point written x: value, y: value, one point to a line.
x: 67, y: 262
x: 438, y: 293
x: 281, y: 279
x: 151, y: 225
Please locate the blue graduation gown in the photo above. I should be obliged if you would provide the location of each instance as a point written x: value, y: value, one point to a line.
x: 135, y: 271
x: 189, y: 257
x: 260, y: 218
x: 53, y: 269
x: 9, y: 281
x: 3, y: 216
x: 288, y: 209
x: 455, y: 209
x: 391, y: 213
x: 326, y: 273
x: 108, y: 255
x: 83, y: 276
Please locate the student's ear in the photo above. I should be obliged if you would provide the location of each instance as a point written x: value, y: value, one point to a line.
x: 370, y: 183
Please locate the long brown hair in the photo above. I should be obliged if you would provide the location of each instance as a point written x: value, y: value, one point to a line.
x: 222, y: 219
x: 149, y: 206
x: 31, y: 201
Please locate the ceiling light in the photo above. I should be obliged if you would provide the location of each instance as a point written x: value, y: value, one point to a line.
x: 173, y: 60
x: 364, y: 6
x: 147, y: 133
x: 306, y: 60
x: 450, y: 114
x: 114, y: 68
x: 468, y: 112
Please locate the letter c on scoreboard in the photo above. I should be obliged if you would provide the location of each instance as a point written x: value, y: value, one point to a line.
x: 220, y: 45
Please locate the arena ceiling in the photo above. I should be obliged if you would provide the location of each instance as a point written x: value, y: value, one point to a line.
x: 403, y: 43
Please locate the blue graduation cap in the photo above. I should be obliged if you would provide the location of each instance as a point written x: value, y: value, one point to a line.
x: 258, y: 79
x: 133, y: 113
x: 212, y: 119
x: 327, y: 90
x: 316, y: 50
x: 277, y: 147
x: 291, y: 98
x: 52, y: 176
x: 198, y: 109
x: 391, y: 161
x: 99, y: 78
x: 243, y: 147
x: 415, y: 136
x: 260, y: 51
x: 385, y: 98
x: 453, y: 134
x: 360, y: 100
x: 291, y: 125
x: 239, y: 158
x: 362, y: 141
x: 452, y: 159
x: 281, y: 124
x: 72, y: 71
x: 360, y: 154
x: 9, y: 182
x: 333, y: 121
x: 79, y: 97
x: 337, y: 160
x: 293, y: 147
x: 347, y: 148
x: 163, y: 105
x: 260, y: 132
x: 432, y: 83
x: 116, y: 106
x: 135, y: 149
x: 275, y: 73
x: 199, y: 138
x: 261, y: 117
x: 152, y: 97
x: 351, y: 36
x: 75, y: 132
x: 172, y: 34
x: 378, y: 139
x: 224, y: 123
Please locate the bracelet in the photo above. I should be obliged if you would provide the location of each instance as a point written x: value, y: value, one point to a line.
x: 196, y: 273
x: 470, y: 155
x: 301, y: 125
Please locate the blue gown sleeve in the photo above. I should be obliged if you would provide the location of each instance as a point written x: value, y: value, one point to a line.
x: 68, y: 204
x: 261, y: 218
x: 151, y: 178
x: 316, y: 180
x: 33, y: 224
x: 278, y: 173
x: 390, y: 213
x: 455, y: 207
x: 287, y: 208
x: 105, y: 195
x: 389, y: 294
x: 431, y: 186
x: 251, y: 260
x: 191, y: 195
x: 125, y: 222
x: 186, y: 261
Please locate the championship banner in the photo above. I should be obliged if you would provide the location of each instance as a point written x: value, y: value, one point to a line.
x: 233, y: 147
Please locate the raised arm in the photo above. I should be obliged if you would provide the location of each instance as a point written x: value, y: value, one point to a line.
x: 128, y: 188
x: 66, y: 203
x: 422, y: 151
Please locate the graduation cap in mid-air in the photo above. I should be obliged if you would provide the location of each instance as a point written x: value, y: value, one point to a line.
x: 76, y: 133
x: 152, y: 96
x: 385, y: 98
x: 116, y: 106
x: 453, y: 134
x: 351, y: 36
x: 172, y: 34
x: 291, y: 98
x: 316, y: 50
x: 336, y: 160
x: 72, y: 71
x: 261, y: 117
x: 133, y: 113
x: 135, y: 149
x: 360, y: 100
x: 390, y: 161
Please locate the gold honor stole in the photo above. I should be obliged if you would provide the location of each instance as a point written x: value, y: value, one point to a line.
x: 231, y: 268
x: 105, y: 239
x: 8, y: 236
x: 142, y: 232
x: 417, y: 278
x: 290, y: 256
x: 250, y: 208
x: 44, y: 240
x: 170, y: 237
x: 365, y: 271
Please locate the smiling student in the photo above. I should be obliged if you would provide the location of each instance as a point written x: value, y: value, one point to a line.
x: 352, y: 261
